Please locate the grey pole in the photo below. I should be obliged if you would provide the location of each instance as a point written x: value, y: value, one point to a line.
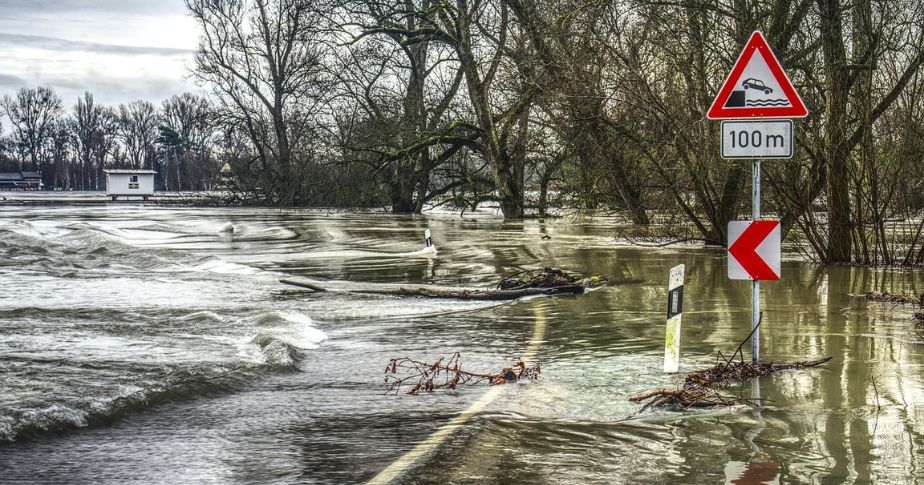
x: 755, y: 289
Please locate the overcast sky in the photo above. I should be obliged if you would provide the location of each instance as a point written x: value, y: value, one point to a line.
x: 119, y: 50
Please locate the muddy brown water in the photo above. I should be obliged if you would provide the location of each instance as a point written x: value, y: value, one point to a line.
x: 139, y: 343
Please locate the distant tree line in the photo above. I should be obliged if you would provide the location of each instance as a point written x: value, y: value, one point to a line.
x: 532, y: 104
x: 180, y: 140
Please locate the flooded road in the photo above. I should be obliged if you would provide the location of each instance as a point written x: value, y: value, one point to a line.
x: 141, y: 343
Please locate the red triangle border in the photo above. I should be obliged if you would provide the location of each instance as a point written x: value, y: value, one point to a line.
x: 757, y: 42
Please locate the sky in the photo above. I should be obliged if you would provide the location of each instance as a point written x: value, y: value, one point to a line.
x: 119, y: 50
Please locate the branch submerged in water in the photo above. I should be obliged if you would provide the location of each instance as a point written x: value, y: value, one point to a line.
x: 449, y: 374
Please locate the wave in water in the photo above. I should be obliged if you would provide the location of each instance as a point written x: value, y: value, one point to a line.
x: 91, y: 392
x: 70, y: 412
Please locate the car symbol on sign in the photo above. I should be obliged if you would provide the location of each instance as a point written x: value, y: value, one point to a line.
x: 756, y: 84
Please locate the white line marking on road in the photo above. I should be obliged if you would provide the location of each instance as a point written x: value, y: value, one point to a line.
x: 406, y: 461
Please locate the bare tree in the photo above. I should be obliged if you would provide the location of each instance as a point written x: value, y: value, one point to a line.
x: 263, y: 60
x: 185, y: 133
x: 417, y: 129
x: 61, y: 156
x: 138, y: 123
x: 32, y: 113
x: 94, y: 131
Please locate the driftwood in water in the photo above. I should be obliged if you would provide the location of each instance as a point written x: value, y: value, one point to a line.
x: 303, y: 284
x: 449, y: 375
x: 547, y: 278
x: 460, y: 294
x: 548, y: 281
x: 701, y: 388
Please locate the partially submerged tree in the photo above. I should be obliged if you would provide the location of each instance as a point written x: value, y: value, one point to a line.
x: 405, y: 80
x: 263, y: 60
x: 187, y: 126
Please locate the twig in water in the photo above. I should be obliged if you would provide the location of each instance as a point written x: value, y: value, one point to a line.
x: 449, y: 375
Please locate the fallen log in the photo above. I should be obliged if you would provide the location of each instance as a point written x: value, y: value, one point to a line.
x: 454, y: 293
x: 303, y: 284
x: 548, y: 281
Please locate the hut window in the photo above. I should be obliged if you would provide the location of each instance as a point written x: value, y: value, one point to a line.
x: 134, y: 178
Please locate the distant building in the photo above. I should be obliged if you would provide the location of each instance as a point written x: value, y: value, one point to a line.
x: 129, y: 183
x: 21, y: 181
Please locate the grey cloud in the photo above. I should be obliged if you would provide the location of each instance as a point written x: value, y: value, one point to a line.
x: 7, y: 80
x: 111, y: 92
x: 83, y: 6
x: 56, y: 44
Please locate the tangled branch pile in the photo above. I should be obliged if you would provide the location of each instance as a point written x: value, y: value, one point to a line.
x: 702, y: 388
x: 887, y: 297
x: 547, y: 278
x: 449, y: 375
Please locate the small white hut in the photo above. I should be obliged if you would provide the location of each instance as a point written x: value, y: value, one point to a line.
x: 130, y: 182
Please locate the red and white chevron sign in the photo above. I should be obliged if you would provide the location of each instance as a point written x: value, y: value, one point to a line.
x: 754, y: 250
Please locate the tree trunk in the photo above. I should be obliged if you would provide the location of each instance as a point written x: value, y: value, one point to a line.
x: 835, y: 149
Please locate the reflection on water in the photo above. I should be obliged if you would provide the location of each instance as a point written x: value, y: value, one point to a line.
x: 145, y: 343
x: 756, y: 472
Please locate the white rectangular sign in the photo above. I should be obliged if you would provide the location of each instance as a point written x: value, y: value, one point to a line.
x: 674, y: 315
x: 764, y: 139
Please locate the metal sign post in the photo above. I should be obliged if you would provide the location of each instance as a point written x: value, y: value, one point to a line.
x: 755, y: 92
x: 755, y: 288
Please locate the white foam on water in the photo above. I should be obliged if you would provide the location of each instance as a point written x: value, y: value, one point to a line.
x: 227, y: 228
x: 220, y: 266
x: 427, y: 252
x: 37, y: 229
x: 203, y: 315
x: 279, y: 337
x: 296, y: 329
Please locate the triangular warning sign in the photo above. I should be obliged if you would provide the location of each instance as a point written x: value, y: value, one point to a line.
x: 757, y: 87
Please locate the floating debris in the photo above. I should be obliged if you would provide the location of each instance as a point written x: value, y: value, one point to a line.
x: 548, y: 278
x: 548, y: 281
x: 702, y: 388
x: 449, y: 375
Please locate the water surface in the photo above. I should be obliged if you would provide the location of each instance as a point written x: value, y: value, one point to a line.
x: 139, y: 343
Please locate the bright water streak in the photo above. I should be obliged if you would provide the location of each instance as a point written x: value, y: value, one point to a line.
x: 141, y: 343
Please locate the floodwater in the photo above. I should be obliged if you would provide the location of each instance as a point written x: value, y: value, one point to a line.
x: 140, y: 344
